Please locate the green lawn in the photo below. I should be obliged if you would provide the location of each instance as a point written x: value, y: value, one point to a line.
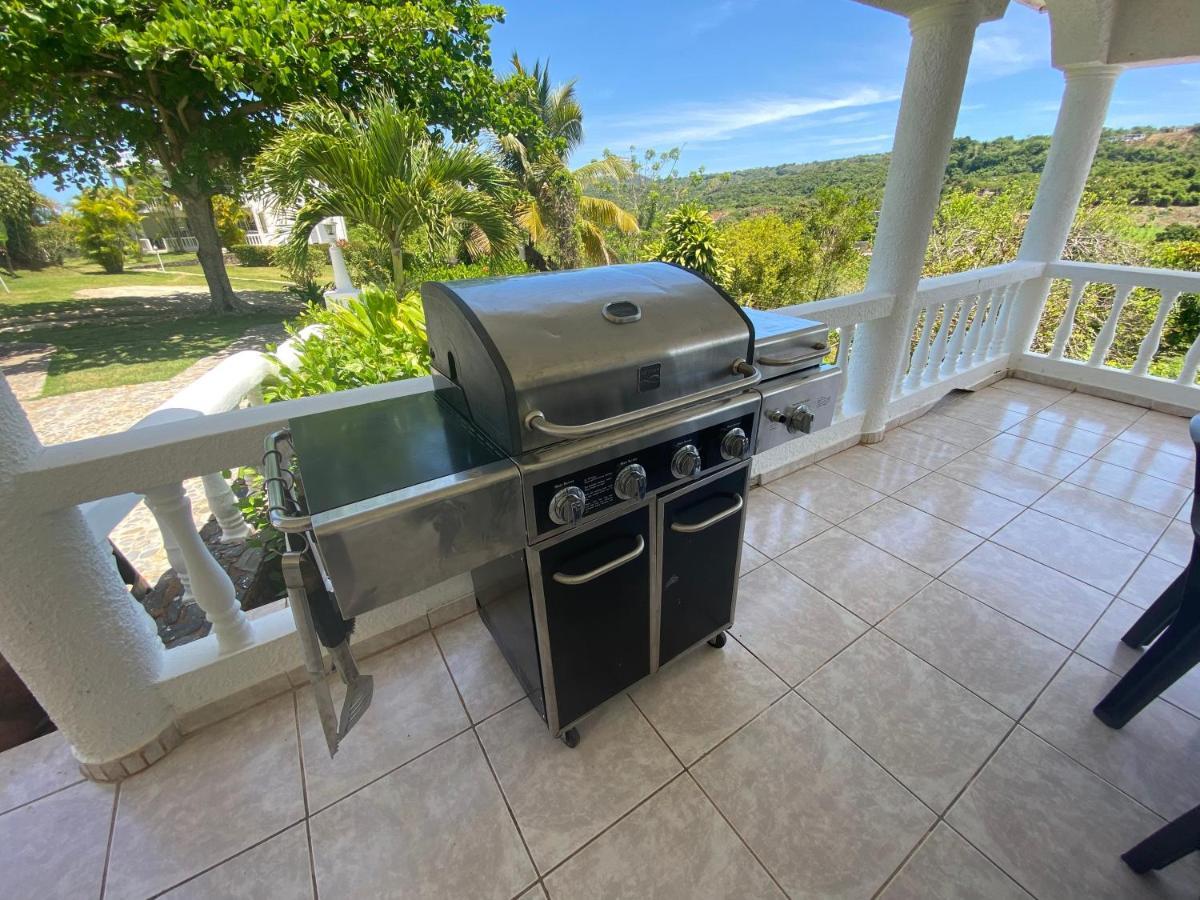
x: 127, y: 338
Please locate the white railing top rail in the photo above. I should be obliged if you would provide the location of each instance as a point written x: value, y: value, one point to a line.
x: 951, y: 287
x: 837, y: 312
x: 1127, y: 276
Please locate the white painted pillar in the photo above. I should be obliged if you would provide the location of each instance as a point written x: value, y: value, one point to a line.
x: 1081, y: 115
x: 343, y: 287
x: 81, y: 643
x: 212, y: 588
x: 942, y: 36
x: 224, y: 505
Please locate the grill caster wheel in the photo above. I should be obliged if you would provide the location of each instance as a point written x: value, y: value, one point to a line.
x: 570, y: 737
x: 718, y: 641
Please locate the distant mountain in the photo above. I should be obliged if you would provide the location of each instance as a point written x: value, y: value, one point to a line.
x: 1140, y: 166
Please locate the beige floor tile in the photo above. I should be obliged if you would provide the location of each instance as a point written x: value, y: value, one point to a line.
x: 562, y: 798
x: 1112, y: 409
x: 675, y: 846
x: 700, y: 698
x: 823, y: 817
x: 876, y: 470
x: 1001, y: 660
x: 989, y: 415
x: 958, y: 503
x: 1015, y: 483
x: 1103, y: 646
x: 1083, y: 420
x: 1185, y: 511
x: 1162, y: 432
x: 1046, y: 392
x: 864, y: 579
x: 751, y: 559
x: 1026, y: 404
x: 437, y: 827
x: 1034, y: 455
x: 537, y: 892
x: 945, y: 867
x: 1061, y: 435
x: 414, y: 708
x: 790, y: 626
x: 928, y: 731
x: 55, y: 846
x: 953, y: 431
x: 831, y: 496
x: 483, y: 676
x: 1133, y: 487
x: 1131, y: 525
x: 914, y: 536
x: 915, y: 447
x: 1176, y: 543
x: 1152, y: 577
x: 1082, y: 554
x: 775, y: 525
x: 277, y: 869
x: 1059, y: 830
x: 1175, y: 469
x: 190, y: 810
x: 35, y: 769
x: 1152, y: 758
x: 1045, y: 599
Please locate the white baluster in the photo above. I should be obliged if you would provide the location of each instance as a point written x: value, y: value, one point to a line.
x: 961, y: 310
x: 921, y: 356
x: 174, y: 557
x: 938, y: 349
x: 1067, y: 325
x: 1004, y: 304
x: 224, y: 506
x: 907, y: 351
x: 845, y: 347
x: 972, y: 309
x: 1191, y: 363
x: 977, y: 330
x: 1105, y: 338
x: 1150, y: 343
x: 213, y: 590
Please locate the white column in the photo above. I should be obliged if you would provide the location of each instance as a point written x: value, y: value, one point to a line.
x: 174, y: 556
x: 942, y: 36
x: 70, y: 628
x: 1076, y: 135
x: 212, y: 588
x: 224, y: 505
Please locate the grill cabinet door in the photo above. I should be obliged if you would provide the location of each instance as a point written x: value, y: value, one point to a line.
x: 701, y: 538
x: 596, y: 586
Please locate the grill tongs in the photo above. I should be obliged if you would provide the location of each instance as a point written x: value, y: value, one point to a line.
x: 318, y: 621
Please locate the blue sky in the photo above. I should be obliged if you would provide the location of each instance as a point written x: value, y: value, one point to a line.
x: 741, y: 83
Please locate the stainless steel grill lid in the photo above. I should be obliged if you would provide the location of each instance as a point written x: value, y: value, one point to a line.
x: 581, y: 346
x: 785, y: 344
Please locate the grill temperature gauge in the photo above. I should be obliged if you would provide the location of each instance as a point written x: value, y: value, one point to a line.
x: 630, y: 483
x: 686, y: 462
x: 566, y: 506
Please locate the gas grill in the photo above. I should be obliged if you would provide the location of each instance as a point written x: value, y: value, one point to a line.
x: 583, y: 452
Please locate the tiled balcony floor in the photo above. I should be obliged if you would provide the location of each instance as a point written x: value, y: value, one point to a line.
x: 922, y: 629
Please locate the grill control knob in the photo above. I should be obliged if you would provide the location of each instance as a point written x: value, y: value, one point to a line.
x: 630, y: 483
x: 796, y: 417
x: 734, y: 444
x: 566, y: 507
x: 686, y: 462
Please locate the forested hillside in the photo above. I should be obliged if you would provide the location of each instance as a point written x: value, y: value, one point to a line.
x: 1142, y: 167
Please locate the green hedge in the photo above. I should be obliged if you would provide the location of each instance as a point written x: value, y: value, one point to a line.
x: 253, y: 254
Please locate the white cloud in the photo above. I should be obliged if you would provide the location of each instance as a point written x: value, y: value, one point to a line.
x: 996, y: 55
x: 720, y: 121
x: 849, y: 141
x: 716, y: 15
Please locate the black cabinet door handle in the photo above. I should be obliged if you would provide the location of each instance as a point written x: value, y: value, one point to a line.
x: 683, y: 528
x: 638, y: 549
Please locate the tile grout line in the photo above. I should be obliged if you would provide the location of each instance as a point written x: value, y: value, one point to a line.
x: 57, y: 790
x: 112, y: 833
x: 312, y: 855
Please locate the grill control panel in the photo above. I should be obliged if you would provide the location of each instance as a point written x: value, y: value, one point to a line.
x: 631, y: 476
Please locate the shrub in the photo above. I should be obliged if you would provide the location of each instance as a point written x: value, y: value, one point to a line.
x: 690, y: 239
x: 303, y: 263
x: 227, y: 216
x: 55, y: 240
x: 107, y: 218
x: 252, y: 254
x: 368, y: 262
x: 371, y: 340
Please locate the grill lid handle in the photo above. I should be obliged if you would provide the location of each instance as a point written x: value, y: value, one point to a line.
x: 791, y: 360
x: 537, y: 421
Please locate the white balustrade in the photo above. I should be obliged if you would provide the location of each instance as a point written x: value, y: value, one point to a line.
x: 1149, y: 345
x: 1108, y: 330
x: 225, y: 508
x: 1063, y: 333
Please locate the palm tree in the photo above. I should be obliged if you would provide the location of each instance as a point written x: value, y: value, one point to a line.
x: 556, y: 210
x: 380, y: 166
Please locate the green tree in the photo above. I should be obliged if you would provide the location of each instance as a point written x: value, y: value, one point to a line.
x: 379, y: 166
x: 199, y: 86
x: 770, y: 261
x: 106, y: 222
x: 227, y: 217
x: 690, y: 238
x: 555, y: 210
x: 22, y: 210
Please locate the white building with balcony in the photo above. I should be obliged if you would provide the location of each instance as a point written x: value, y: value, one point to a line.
x: 911, y: 717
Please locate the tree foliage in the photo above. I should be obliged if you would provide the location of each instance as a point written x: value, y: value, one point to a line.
x: 22, y: 210
x: 106, y: 222
x: 690, y: 238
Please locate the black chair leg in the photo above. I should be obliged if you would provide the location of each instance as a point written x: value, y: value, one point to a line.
x: 1166, y: 661
x: 1172, y: 842
x: 1152, y: 622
